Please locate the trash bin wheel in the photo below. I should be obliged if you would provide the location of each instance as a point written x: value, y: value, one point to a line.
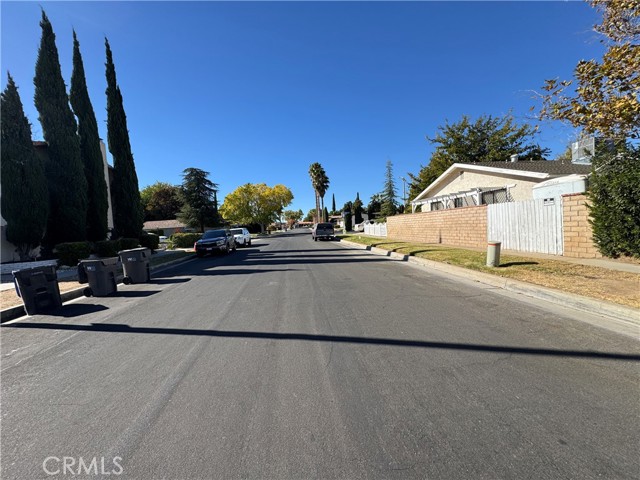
x: 127, y: 280
x: 87, y: 292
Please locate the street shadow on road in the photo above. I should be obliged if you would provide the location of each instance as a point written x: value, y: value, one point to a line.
x: 76, y: 310
x: 136, y: 293
x: 167, y: 281
x: 306, y: 337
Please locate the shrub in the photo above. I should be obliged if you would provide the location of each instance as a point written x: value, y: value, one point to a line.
x: 150, y: 240
x: 70, y: 253
x: 185, y: 240
x: 128, y: 243
x: 106, y: 248
x: 614, y: 202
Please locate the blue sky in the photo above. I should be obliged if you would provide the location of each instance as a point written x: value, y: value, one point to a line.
x: 257, y: 91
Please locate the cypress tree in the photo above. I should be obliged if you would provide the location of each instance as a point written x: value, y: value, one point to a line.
x: 127, y: 207
x: 65, y: 173
x: 91, y: 154
x: 25, y: 202
x: 357, y: 209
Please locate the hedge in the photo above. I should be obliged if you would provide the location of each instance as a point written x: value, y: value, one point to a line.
x: 70, y: 253
x: 185, y: 240
x: 150, y: 240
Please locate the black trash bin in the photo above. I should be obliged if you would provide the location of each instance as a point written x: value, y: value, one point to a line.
x: 100, y: 273
x: 135, y: 263
x: 38, y: 288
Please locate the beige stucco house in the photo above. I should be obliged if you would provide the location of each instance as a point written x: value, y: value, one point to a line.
x: 463, y: 185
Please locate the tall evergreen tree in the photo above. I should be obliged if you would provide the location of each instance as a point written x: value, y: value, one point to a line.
x: 389, y: 204
x: 127, y: 207
x: 199, y: 194
x: 97, y: 206
x: 357, y: 209
x: 25, y: 202
x: 333, y: 204
x: 65, y: 173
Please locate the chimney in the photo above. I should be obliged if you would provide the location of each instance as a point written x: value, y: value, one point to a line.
x: 514, y: 158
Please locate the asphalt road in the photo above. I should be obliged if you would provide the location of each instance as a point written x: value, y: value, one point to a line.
x: 296, y: 359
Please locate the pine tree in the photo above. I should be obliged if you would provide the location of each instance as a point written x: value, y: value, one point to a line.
x: 65, y: 174
x: 199, y: 193
x: 97, y: 207
x: 389, y: 205
x: 25, y: 199
x: 127, y: 207
x: 333, y: 204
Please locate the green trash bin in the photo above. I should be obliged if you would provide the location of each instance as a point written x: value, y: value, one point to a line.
x: 38, y: 288
x: 135, y: 263
x: 100, y: 273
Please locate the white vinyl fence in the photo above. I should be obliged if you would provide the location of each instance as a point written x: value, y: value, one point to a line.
x: 528, y: 226
x: 376, y: 229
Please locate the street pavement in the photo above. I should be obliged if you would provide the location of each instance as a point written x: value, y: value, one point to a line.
x: 296, y: 359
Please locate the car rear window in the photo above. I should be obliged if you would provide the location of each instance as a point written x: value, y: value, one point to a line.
x: 325, y: 225
x: 214, y: 233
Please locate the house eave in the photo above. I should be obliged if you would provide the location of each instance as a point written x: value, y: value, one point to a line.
x: 456, y: 167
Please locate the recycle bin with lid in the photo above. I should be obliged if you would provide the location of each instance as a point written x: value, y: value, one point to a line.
x: 135, y: 263
x: 100, y: 273
x: 38, y: 288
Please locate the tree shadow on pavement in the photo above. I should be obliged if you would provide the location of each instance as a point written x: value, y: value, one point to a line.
x: 306, y: 337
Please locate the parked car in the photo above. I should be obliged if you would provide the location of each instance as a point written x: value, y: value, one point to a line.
x: 322, y: 230
x: 215, y: 241
x: 163, y: 239
x: 242, y: 237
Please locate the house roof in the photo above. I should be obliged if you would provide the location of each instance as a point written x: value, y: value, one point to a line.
x: 539, y: 170
x: 154, y: 224
x: 552, y: 167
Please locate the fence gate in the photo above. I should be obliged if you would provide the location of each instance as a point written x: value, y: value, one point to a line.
x: 528, y: 226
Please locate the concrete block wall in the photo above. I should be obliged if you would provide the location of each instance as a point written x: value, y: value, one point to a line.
x: 576, y: 229
x: 461, y: 227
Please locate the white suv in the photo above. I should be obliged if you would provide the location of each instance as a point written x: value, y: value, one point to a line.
x: 241, y: 236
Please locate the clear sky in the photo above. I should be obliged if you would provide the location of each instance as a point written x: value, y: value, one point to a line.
x: 257, y: 91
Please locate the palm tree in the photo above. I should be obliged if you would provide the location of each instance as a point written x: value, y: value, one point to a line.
x: 320, y: 184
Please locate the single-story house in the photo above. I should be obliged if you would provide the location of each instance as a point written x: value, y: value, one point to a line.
x: 169, y: 227
x: 463, y: 185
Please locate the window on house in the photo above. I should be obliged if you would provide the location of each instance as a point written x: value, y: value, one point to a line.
x: 495, y: 196
x: 437, y: 206
x: 458, y: 202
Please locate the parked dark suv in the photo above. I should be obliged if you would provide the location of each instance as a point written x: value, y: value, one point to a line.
x: 215, y: 241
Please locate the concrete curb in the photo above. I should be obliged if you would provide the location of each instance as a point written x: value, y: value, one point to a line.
x: 12, y: 313
x: 570, y: 300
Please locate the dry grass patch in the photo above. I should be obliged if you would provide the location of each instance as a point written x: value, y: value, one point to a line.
x: 600, y: 283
